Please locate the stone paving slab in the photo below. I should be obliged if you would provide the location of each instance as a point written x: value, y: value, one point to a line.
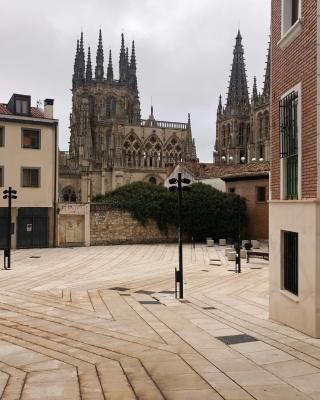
x: 103, y: 323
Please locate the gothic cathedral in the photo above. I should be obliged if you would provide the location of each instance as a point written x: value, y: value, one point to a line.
x: 110, y: 145
x: 243, y: 127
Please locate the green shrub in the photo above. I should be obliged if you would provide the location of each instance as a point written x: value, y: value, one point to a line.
x: 206, y: 212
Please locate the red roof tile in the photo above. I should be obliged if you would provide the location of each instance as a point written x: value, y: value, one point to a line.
x: 35, y: 112
x: 207, y: 171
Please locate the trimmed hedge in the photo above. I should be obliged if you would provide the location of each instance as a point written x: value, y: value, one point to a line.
x: 206, y: 212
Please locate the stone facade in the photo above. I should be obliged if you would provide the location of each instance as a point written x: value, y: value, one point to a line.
x: 110, y: 145
x: 243, y: 127
x: 109, y: 226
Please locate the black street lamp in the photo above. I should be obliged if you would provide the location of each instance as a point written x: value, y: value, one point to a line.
x: 9, y: 194
x: 238, y: 245
x: 180, y: 181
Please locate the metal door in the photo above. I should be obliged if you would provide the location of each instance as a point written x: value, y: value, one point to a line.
x: 33, y: 228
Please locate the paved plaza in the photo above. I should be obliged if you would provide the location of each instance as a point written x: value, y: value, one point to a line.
x: 102, y: 323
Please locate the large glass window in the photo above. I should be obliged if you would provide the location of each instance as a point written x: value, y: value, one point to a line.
x: 31, y: 138
x: 289, y: 143
x: 30, y: 177
x: 290, y: 262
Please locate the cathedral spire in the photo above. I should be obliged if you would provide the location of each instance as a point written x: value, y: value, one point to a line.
x: 89, y: 67
x: 99, y: 72
x: 82, y: 61
x: 123, y: 66
x: 110, y: 68
x: 219, y: 111
x: 255, y: 90
x: 75, y: 76
x: 266, y: 87
x: 238, y: 95
x: 133, y: 69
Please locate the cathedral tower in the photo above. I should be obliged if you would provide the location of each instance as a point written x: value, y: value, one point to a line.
x: 242, y: 127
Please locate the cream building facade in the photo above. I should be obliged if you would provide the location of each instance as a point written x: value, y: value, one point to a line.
x: 29, y: 164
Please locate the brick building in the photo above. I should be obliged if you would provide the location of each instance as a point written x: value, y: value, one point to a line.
x: 295, y: 156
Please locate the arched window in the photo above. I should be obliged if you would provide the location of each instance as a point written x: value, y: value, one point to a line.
x: 266, y: 124
x: 241, y: 134
x: 69, y: 195
x: 153, y: 180
x: 111, y: 107
x: 224, y: 138
x: 260, y: 132
x: 261, y: 152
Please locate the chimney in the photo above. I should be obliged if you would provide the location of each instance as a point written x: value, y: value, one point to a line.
x: 48, y: 108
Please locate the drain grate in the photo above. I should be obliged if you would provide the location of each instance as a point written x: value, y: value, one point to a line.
x: 35, y: 257
x: 144, y: 292
x: 209, y: 308
x: 125, y: 295
x: 149, y: 302
x: 237, y: 339
x: 119, y: 289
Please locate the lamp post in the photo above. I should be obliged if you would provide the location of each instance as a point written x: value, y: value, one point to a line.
x: 9, y: 194
x: 238, y: 248
x: 180, y: 181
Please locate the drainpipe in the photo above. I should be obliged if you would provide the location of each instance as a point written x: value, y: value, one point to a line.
x: 55, y: 184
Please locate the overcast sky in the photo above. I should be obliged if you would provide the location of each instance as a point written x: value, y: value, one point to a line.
x: 184, y: 52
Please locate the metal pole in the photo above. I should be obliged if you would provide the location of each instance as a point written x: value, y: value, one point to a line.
x: 180, y: 235
x: 239, y: 235
x: 9, y: 228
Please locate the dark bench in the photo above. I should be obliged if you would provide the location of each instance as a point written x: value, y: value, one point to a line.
x: 257, y: 254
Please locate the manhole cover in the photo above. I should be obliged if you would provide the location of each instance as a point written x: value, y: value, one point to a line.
x: 236, y: 339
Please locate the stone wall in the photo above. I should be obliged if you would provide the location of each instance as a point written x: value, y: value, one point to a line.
x: 109, y: 226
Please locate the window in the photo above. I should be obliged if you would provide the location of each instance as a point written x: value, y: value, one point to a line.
x: 111, y: 107
x: 289, y: 143
x: 294, y: 11
x: 241, y: 135
x: 68, y: 194
x: 1, y: 177
x: 261, y: 194
x: 290, y: 14
x: 232, y: 190
x: 30, y: 177
x: 290, y: 262
x: 22, y: 106
x: 1, y: 136
x: 31, y: 138
x: 153, y: 180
